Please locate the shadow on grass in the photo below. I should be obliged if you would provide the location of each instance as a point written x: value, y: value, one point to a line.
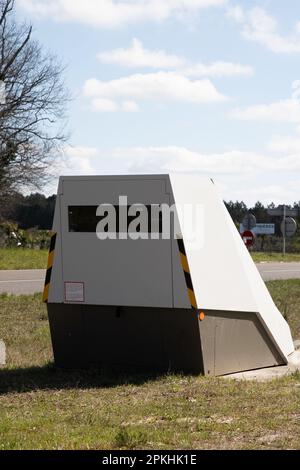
x: 49, y: 377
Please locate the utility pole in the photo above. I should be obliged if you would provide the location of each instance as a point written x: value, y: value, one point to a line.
x: 284, y: 231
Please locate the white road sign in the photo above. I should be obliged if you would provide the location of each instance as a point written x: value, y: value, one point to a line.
x: 249, y: 221
x: 290, y: 227
x: 261, y: 229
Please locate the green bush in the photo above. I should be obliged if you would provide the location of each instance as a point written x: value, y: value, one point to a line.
x: 12, y: 236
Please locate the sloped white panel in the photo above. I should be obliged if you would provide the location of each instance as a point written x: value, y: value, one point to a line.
x: 223, y: 273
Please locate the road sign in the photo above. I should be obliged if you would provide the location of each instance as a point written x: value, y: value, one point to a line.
x: 290, y: 227
x: 279, y: 212
x: 249, y: 238
x: 249, y: 221
x: 260, y: 229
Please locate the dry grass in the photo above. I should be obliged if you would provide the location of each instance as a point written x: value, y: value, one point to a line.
x: 45, y: 408
x: 259, y: 257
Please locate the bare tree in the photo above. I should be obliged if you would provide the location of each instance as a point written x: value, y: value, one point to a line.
x: 32, y: 110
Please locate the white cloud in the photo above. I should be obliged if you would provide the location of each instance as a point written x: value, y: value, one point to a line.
x: 78, y: 160
x: 104, y: 105
x: 267, y: 193
x: 296, y: 90
x: 181, y: 159
x: 259, y: 26
x: 280, y: 111
x: 113, y: 13
x: 137, y: 56
x: 241, y: 175
x: 236, y: 12
x: 80, y: 152
x: 285, y: 144
x: 130, y: 106
x: 217, y: 69
x: 160, y: 86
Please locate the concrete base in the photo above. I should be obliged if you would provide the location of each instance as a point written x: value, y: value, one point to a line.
x: 270, y: 373
x: 2, y: 353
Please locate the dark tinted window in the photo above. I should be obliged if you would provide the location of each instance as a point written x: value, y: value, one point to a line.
x: 84, y: 219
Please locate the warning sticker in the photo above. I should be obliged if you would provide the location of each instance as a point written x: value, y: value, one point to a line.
x: 74, y: 291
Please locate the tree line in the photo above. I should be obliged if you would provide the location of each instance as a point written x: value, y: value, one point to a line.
x: 37, y: 210
x: 32, y: 211
x: 238, y: 210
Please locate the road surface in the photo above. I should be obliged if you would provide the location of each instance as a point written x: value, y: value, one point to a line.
x: 32, y: 281
x: 22, y: 282
x: 273, y: 271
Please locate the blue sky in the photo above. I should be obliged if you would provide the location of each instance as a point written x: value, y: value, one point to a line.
x: 201, y: 86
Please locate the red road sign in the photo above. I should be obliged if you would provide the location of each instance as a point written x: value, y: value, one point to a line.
x: 249, y: 238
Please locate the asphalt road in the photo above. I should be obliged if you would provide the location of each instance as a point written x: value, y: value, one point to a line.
x: 32, y: 281
x: 273, y: 271
x: 22, y: 282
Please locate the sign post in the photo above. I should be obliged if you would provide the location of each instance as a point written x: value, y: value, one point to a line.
x: 288, y: 225
x: 283, y: 232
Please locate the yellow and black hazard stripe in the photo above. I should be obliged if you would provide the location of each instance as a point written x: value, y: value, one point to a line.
x: 187, y: 274
x: 49, y: 267
x: 188, y: 278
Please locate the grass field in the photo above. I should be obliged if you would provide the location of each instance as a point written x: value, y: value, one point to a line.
x: 45, y: 408
x: 23, y: 258
x: 275, y: 257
